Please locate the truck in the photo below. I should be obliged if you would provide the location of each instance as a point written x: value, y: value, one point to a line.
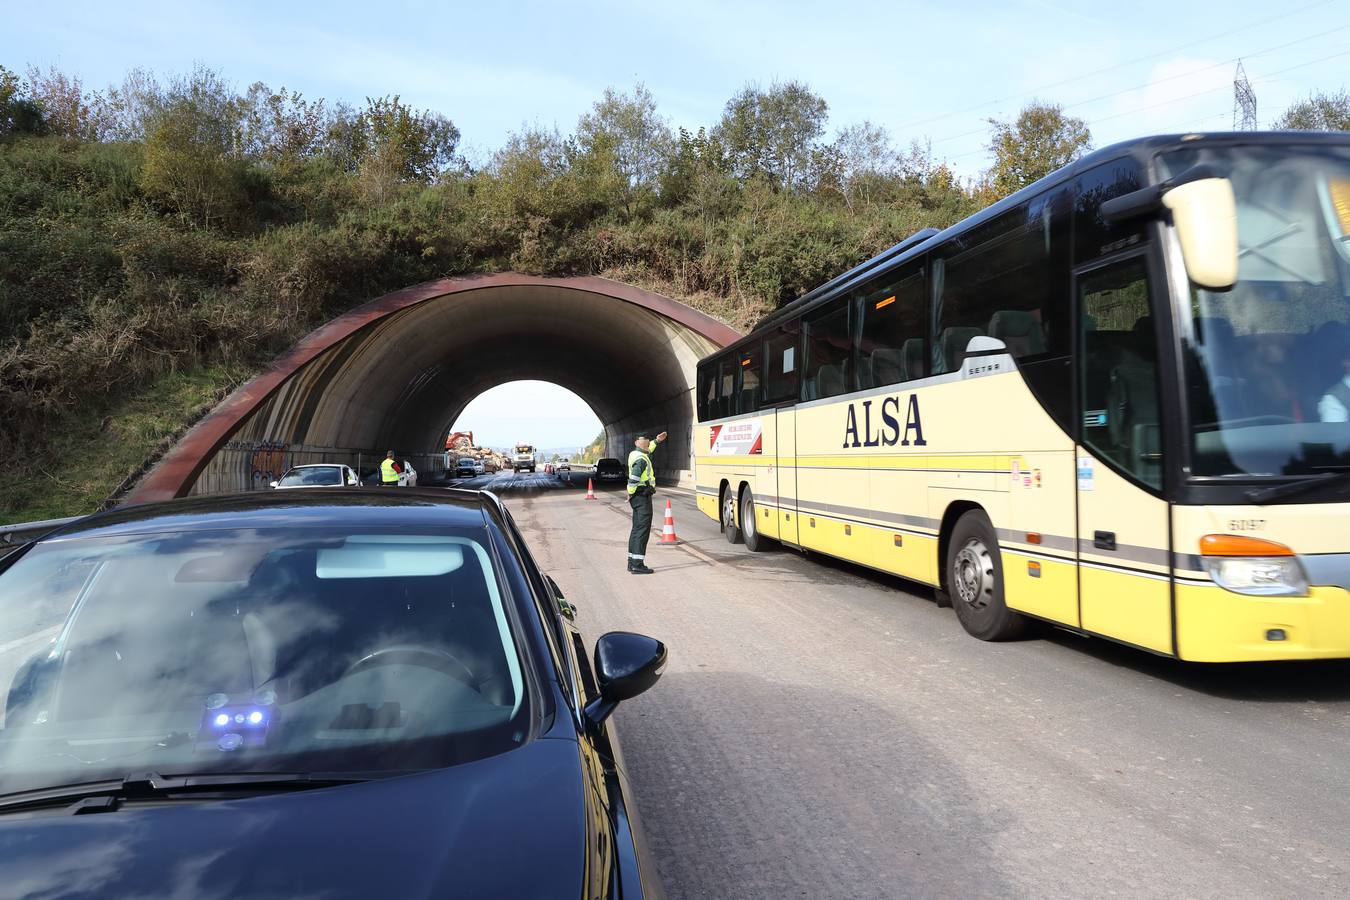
x: 523, y: 458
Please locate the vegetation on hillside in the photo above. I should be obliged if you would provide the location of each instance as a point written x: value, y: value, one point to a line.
x: 170, y: 229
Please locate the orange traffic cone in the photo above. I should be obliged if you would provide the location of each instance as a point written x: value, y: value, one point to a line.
x: 668, y: 531
x: 590, y: 489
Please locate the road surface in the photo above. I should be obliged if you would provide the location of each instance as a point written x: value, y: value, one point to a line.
x: 826, y: 732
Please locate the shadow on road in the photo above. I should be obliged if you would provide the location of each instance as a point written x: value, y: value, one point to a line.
x: 1295, y: 681
x: 885, y: 814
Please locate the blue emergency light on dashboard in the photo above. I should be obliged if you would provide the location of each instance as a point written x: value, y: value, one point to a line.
x: 228, y: 724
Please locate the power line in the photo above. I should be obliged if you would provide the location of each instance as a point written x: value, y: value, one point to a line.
x: 1112, y: 68
x: 1264, y: 52
x: 1223, y: 87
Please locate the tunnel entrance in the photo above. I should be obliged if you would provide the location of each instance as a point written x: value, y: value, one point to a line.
x: 396, y: 372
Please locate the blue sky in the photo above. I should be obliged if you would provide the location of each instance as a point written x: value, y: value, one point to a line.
x: 544, y: 414
x: 925, y: 71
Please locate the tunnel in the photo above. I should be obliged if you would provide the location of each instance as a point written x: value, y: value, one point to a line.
x: 396, y: 372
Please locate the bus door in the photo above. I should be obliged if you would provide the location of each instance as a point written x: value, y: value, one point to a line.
x: 1124, y: 572
x: 785, y: 424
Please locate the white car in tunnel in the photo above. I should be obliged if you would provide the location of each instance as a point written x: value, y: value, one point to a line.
x: 317, y: 475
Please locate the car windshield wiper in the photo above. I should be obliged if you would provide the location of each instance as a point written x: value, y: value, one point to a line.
x: 105, y: 796
x: 1290, y: 488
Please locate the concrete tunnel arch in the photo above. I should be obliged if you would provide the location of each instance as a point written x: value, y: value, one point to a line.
x: 397, y: 371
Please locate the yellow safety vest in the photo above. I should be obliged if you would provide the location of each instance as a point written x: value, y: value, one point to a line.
x: 640, y: 469
x: 387, y: 472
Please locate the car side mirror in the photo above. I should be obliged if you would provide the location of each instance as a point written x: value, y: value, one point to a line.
x: 273, y: 484
x: 626, y: 664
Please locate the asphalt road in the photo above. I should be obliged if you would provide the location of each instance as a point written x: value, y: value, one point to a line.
x: 822, y: 731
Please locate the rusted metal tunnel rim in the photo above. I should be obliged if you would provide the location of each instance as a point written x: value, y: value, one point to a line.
x: 178, y: 470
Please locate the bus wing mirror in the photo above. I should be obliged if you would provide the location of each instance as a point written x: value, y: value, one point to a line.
x: 1205, y: 215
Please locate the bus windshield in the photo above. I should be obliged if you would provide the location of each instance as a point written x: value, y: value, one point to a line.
x: 1267, y: 362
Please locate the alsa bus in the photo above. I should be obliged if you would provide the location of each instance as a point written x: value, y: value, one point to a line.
x: 1116, y: 401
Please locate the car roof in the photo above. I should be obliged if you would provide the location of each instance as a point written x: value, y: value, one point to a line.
x: 318, y: 466
x: 313, y: 508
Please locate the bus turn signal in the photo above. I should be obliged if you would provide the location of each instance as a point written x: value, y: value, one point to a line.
x: 1240, y: 545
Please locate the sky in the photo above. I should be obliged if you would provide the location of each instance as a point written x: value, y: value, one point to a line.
x: 925, y: 71
x: 535, y: 412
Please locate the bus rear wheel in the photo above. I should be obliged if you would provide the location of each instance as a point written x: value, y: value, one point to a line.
x: 754, y: 541
x: 975, y: 581
x: 733, y: 534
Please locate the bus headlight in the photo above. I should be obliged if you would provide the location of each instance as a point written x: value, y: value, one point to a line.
x: 1246, y: 565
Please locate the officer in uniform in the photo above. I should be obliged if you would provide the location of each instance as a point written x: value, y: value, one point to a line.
x: 641, y: 487
x: 389, y: 471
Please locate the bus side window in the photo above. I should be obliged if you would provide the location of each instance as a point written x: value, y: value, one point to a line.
x: 781, y: 367
x: 747, y: 400
x: 707, y: 390
x: 726, y: 387
x: 891, y: 345
x: 829, y: 352
x: 1007, y: 279
x: 1119, y: 369
x: 1094, y: 236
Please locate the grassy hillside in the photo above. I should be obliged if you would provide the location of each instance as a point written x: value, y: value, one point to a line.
x: 160, y: 242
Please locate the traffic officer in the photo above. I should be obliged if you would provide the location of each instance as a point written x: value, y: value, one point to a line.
x: 641, y: 487
x: 389, y: 471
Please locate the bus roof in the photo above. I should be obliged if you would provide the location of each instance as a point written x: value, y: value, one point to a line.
x: 1140, y: 149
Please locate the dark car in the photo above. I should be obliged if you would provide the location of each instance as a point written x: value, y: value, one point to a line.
x: 318, y: 693
x: 609, y: 469
x: 466, y: 467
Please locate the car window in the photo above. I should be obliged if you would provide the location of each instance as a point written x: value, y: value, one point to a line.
x: 312, y: 476
x: 260, y: 650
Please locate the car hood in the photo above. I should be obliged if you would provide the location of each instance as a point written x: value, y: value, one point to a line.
x: 509, y: 826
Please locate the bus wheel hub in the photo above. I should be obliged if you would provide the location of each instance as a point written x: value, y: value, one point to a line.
x: 974, y: 575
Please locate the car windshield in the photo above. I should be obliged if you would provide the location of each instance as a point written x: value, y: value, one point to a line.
x: 312, y: 476
x: 254, y: 651
x: 1267, y: 363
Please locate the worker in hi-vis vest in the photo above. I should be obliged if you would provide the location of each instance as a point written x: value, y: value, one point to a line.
x: 641, y: 487
x: 389, y: 471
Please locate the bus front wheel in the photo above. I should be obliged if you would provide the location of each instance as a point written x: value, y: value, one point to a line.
x: 733, y: 534
x: 975, y: 581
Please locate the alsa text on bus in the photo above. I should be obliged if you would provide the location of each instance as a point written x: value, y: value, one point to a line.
x: 890, y: 433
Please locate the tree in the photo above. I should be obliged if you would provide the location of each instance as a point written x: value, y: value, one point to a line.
x: 629, y: 126
x: 126, y: 111
x: 188, y: 150
x: 280, y: 127
x: 774, y: 133
x: 1320, y: 112
x: 65, y: 109
x: 415, y: 145
x: 1041, y: 140
x: 19, y: 113
x: 861, y: 163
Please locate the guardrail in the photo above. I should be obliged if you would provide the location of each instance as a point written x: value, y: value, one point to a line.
x: 14, y: 536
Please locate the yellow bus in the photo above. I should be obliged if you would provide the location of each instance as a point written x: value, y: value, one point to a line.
x: 1115, y: 401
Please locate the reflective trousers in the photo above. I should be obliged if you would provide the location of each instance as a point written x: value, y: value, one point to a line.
x: 642, y: 524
